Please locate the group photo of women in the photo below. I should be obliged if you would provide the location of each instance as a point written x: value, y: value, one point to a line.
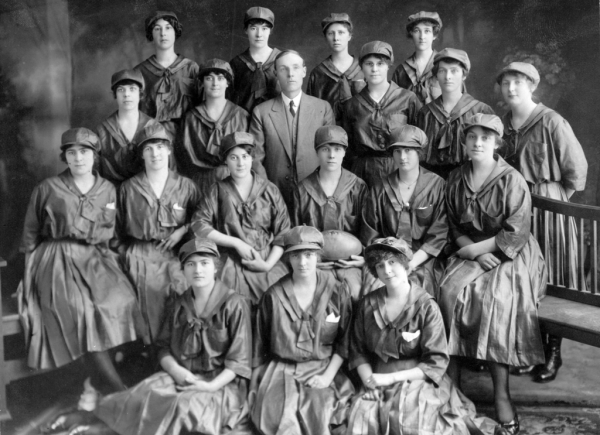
x: 299, y: 251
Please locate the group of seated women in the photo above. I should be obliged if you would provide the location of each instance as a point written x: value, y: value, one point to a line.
x: 160, y: 230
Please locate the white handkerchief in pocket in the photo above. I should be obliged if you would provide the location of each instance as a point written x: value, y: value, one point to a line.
x: 423, y: 208
x: 410, y: 336
x: 111, y: 206
x: 332, y: 318
x: 177, y: 207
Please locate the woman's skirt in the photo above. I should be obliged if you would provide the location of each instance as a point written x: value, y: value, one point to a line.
x: 75, y: 299
x: 492, y: 315
x: 567, y: 273
x: 155, y: 406
x: 155, y: 274
x: 247, y: 282
x: 285, y: 405
x: 373, y: 169
x: 417, y: 408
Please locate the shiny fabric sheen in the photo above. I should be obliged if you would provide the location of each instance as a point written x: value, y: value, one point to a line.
x: 425, y: 85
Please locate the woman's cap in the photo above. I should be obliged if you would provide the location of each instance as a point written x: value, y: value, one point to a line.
x: 522, y: 68
x: 157, y: 16
x: 455, y: 54
x: 422, y: 16
x: 377, y: 47
x: 154, y: 131
x: 127, y: 74
x: 197, y: 246
x: 491, y: 122
x: 303, y: 237
x: 218, y: 66
x: 260, y: 13
x: 393, y: 244
x: 336, y: 18
x: 331, y: 135
x: 79, y: 136
x: 407, y: 136
x: 233, y: 140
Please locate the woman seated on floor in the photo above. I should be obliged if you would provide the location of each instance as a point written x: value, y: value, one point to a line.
x: 301, y: 341
x: 205, y: 353
x: 398, y: 347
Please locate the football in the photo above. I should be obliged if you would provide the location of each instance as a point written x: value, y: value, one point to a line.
x: 340, y: 245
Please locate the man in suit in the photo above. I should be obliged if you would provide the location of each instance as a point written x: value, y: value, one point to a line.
x: 284, y: 127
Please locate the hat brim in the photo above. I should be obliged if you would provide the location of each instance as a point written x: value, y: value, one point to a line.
x: 83, y: 144
x: 403, y: 144
x: 206, y: 251
x: 331, y: 143
x: 206, y: 71
x: 515, y: 71
x: 388, y: 248
x: 140, y: 84
x: 293, y: 248
x: 148, y: 139
x: 487, y: 127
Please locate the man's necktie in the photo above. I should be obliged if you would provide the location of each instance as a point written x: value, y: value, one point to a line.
x: 292, y: 109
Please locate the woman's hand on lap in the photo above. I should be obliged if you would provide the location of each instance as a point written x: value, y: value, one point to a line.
x: 319, y: 381
x: 488, y: 261
x: 468, y: 252
x: 244, y: 250
x: 256, y: 264
x: 171, y: 241
x: 326, y: 265
x: 381, y: 380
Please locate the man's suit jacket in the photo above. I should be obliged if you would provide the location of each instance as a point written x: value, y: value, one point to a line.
x: 273, y: 142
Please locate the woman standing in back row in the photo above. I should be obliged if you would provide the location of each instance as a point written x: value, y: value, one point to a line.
x: 541, y: 145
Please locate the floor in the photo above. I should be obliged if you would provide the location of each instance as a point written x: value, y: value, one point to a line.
x: 576, y: 387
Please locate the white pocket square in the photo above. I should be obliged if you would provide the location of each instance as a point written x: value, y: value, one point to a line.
x: 410, y: 336
x: 423, y: 208
x: 177, y: 207
x: 110, y: 206
x: 332, y: 318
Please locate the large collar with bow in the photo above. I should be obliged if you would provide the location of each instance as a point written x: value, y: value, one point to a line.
x: 329, y: 69
x: 86, y: 207
x: 217, y: 127
x: 259, y: 79
x: 244, y: 208
x: 285, y: 292
x: 165, y: 212
x: 445, y: 136
x: 111, y: 124
x: 512, y: 134
x: 314, y: 189
x: 419, y: 83
x: 197, y: 323
x: 473, y: 209
x: 387, y: 346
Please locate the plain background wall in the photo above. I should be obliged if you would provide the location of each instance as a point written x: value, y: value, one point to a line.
x: 58, y: 56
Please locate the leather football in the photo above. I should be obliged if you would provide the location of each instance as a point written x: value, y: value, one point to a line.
x: 340, y: 245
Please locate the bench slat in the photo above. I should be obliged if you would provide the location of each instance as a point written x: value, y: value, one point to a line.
x: 572, y: 320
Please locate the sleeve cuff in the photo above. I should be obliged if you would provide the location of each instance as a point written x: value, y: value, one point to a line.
x: 239, y: 369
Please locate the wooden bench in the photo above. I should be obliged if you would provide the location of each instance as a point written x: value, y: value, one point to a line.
x: 570, y: 309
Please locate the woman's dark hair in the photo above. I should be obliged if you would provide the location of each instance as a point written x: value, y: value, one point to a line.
x: 285, y: 258
x: 436, y: 27
x: 449, y: 61
x: 375, y: 256
x: 248, y: 148
x: 216, y: 71
x: 216, y: 260
x: 171, y: 20
x: 420, y: 151
x: 127, y: 82
x: 378, y: 56
x: 258, y: 22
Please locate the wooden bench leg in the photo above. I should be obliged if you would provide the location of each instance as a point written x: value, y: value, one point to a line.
x: 4, y: 414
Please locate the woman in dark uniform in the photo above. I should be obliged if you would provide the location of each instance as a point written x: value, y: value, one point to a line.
x: 155, y: 210
x: 244, y: 214
x: 409, y: 204
x: 206, y: 125
x: 170, y: 77
x: 370, y: 116
x: 415, y: 73
x: 254, y: 69
x: 542, y: 146
x: 398, y: 347
x: 494, y: 281
x: 339, y: 77
x: 301, y: 340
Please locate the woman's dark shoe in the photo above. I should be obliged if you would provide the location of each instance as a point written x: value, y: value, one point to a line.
x: 510, y: 428
x: 522, y: 371
x: 549, y: 370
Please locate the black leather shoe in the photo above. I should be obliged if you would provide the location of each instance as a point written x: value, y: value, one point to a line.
x: 549, y: 370
x: 510, y: 428
x: 522, y: 371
